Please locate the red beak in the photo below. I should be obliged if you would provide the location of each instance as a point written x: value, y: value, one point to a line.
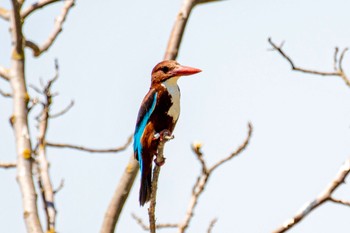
x: 185, y: 70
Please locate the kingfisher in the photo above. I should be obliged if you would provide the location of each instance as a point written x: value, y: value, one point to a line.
x: 158, y: 114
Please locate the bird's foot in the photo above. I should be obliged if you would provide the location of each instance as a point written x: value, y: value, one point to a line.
x: 159, y: 163
x: 165, y: 135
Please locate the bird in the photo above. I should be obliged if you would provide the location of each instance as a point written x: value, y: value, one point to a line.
x: 158, y: 114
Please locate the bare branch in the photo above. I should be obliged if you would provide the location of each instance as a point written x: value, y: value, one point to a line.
x: 174, y: 42
x: 158, y: 226
x: 36, y: 89
x: 341, y: 59
x: 236, y: 152
x: 156, y: 171
x: 339, y: 201
x: 38, y: 50
x: 7, y: 165
x: 324, y: 196
x: 19, y: 120
x: 337, y: 72
x: 44, y: 180
x: 5, y: 94
x: 62, y: 112
x: 59, y: 188
x: 33, y: 46
x: 82, y: 148
x: 35, y: 6
x: 294, y: 67
x: 120, y: 195
x: 203, y: 178
x: 4, y: 73
x: 335, y: 58
x: 211, y: 225
x: 171, y: 53
x: 4, y: 14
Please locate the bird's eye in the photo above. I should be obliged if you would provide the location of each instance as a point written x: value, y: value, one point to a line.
x: 165, y: 69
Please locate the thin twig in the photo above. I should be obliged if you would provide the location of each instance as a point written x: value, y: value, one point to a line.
x: 4, y: 14
x: 44, y: 179
x: 38, y: 50
x: 63, y: 111
x: 335, y: 58
x: 35, y: 6
x: 158, y: 226
x: 4, y: 73
x: 211, y: 225
x: 339, y: 201
x: 238, y: 151
x: 5, y: 94
x: 59, y: 188
x: 91, y: 150
x: 324, y: 196
x: 7, y: 165
x: 338, y: 67
x: 203, y: 178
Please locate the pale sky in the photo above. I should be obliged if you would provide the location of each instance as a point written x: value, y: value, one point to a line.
x: 106, y: 53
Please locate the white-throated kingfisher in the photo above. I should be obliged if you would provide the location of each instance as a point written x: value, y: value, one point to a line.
x: 158, y: 115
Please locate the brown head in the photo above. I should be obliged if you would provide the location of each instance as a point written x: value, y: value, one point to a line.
x: 169, y: 69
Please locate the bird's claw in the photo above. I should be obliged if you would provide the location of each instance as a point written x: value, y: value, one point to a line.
x: 159, y: 163
x: 163, y: 135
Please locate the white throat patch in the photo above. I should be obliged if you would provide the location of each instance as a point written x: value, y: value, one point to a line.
x: 173, y: 89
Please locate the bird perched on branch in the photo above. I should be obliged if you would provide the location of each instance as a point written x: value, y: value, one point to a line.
x: 157, y: 117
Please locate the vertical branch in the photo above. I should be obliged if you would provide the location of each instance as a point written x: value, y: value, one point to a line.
x: 175, y: 39
x: 120, y: 195
x: 159, y: 160
x: 44, y: 180
x: 20, y: 124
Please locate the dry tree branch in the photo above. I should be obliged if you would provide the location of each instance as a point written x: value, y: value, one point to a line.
x: 183, y: 15
x: 4, y: 73
x: 60, y: 187
x: 202, y: 179
x: 158, y: 226
x: 4, y: 14
x: 63, y: 111
x: 198, y: 187
x: 159, y: 160
x: 37, y: 50
x: 19, y: 120
x: 35, y: 6
x: 339, y: 201
x: 325, y: 195
x: 44, y: 180
x: 211, y: 225
x: 5, y: 94
x: 238, y: 151
x: 170, y: 54
x: 82, y: 148
x: 120, y: 195
x: 338, y: 70
x: 7, y: 165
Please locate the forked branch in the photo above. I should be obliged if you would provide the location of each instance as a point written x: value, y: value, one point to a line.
x: 37, y: 50
x: 324, y: 196
x: 35, y: 6
x: 198, y: 187
x: 337, y: 66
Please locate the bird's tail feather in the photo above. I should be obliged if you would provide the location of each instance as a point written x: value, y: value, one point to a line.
x: 146, y: 188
